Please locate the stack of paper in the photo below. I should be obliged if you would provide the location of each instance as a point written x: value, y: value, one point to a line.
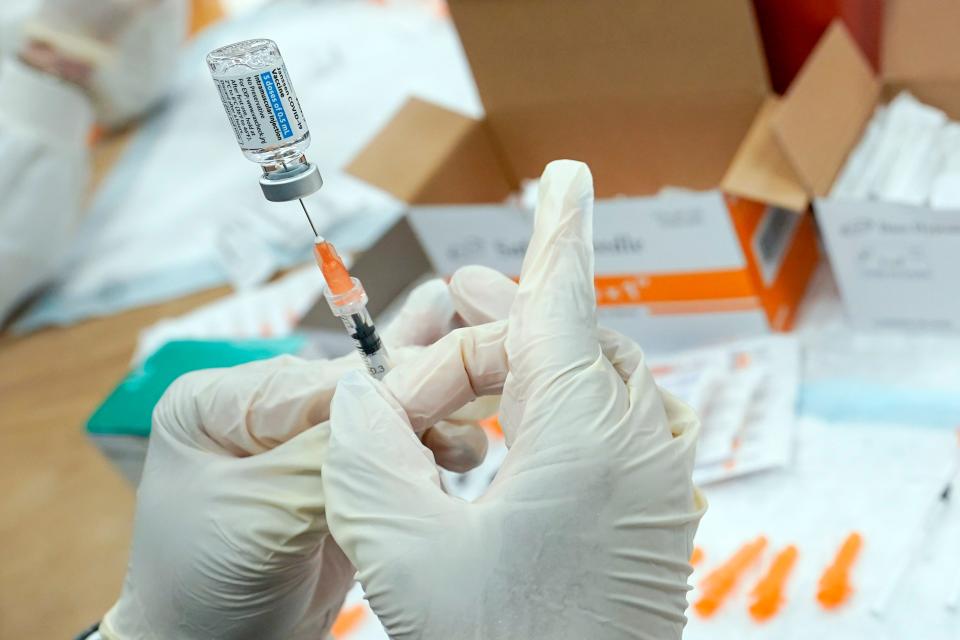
x: 910, y: 154
x: 745, y: 394
x: 269, y: 311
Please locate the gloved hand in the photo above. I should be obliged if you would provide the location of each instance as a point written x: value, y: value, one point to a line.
x: 44, y: 166
x: 123, y: 52
x: 587, y: 529
x: 230, y: 538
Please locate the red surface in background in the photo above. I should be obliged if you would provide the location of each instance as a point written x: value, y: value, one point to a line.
x: 791, y: 28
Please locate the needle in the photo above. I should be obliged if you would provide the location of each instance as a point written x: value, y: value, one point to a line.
x: 306, y: 213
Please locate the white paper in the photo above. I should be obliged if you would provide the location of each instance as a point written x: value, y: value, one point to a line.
x: 854, y: 181
x: 269, y: 311
x: 747, y: 409
x: 945, y: 189
x: 699, y: 380
x: 909, y: 154
x: 876, y: 480
x: 153, y: 231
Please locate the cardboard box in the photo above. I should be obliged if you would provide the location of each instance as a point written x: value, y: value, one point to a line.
x: 651, y: 95
x: 896, y: 265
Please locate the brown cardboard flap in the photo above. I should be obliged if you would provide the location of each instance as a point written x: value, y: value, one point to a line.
x: 920, y: 40
x: 470, y: 173
x: 643, y: 90
x: 662, y: 144
x: 823, y: 113
x: 430, y: 154
x: 760, y: 170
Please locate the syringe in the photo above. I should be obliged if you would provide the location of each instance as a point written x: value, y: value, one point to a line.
x: 268, y: 123
x: 348, y: 301
x: 933, y: 518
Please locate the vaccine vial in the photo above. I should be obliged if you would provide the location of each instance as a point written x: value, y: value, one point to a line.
x: 265, y: 114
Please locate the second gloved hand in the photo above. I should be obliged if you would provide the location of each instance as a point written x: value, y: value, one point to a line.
x: 587, y: 529
x: 230, y: 537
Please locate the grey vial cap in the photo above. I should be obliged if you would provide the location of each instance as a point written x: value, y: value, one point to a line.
x: 292, y: 184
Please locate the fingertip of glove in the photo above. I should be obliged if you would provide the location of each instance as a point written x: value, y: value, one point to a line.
x: 433, y: 296
x: 475, y: 274
x: 434, y: 287
x: 457, y: 447
x: 481, y: 294
x: 569, y: 181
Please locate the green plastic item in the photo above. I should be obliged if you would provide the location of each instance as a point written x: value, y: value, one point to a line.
x: 128, y: 409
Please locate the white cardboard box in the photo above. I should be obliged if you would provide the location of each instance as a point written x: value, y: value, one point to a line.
x: 896, y: 265
x: 671, y: 269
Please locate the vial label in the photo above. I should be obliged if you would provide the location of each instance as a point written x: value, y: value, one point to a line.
x: 262, y: 108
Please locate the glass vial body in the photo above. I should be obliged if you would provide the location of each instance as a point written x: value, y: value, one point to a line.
x: 260, y: 102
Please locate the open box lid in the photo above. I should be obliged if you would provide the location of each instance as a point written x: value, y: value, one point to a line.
x: 649, y: 93
x: 430, y: 155
x: 824, y: 112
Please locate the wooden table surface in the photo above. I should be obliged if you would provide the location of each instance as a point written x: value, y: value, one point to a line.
x: 65, y: 514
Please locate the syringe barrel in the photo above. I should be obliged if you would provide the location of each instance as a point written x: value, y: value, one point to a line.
x: 351, y: 308
x: 260, y: 102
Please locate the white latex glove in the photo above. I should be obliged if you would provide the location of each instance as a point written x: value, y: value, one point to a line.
x: 12, y: 15
x: 587, y: 529
x: 44, y: 167
x: 123, y: 52
x: 230, y: 539
x: 120, y: 53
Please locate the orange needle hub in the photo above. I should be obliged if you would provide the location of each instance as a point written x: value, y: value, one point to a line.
x: 336, y: 275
